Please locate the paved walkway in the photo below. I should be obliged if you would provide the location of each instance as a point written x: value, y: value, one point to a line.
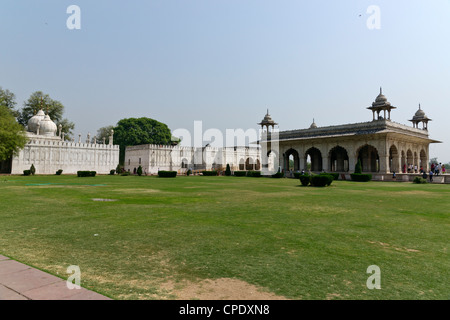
x: 21, y: 282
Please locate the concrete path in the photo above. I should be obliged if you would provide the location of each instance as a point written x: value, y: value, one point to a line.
x: 21, y: 282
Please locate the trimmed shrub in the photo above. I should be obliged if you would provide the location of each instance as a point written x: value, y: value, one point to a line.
x: 32, y: 169
x: 419, y: 180
x: 361, y: 177
x: 305, y: 179
x: 58, y: 173
x: 26, y: 172
x: 125, y: 173
x: 139, y: 171
x: 119, y: 169
x: 189, y: 172
x: 86, y: 173
x: 112, y: 172
x: 358, y: 167
x: 297, y: 175
x: 254, y: 174
x: 228, y: 170
x: 321, y: 180
x: 167, y: 174
x: 240, y: 173
x: 210, y: 173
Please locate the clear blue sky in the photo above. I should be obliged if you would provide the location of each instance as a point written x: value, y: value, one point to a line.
x: 226, y: 62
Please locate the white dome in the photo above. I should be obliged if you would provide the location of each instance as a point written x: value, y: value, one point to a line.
x: 47, y: 127
x: 33, y: 122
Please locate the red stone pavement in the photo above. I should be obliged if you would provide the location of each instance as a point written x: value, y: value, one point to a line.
x: 21, y: 282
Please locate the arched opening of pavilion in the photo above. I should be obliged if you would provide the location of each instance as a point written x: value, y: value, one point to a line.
x: 393, y: 159
x: 316, y: 159
x: 370, y: 160
x: 291, y: 160
x: 423, y: 160
x: 249, y: 164
x: 241, y: 164
x: 339, y: 160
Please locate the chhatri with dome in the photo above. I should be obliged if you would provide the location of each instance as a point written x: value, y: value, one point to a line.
x: 383, y: 146
x: 48, y: 152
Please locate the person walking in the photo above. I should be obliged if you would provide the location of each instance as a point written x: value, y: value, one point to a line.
x: 443, y: 169
x: 431, y: 175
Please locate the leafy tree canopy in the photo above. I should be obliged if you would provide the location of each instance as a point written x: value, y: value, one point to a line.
x: 104, y: 132
x: 12, y: 134
x: 136, y: 131
x: 8, y: 100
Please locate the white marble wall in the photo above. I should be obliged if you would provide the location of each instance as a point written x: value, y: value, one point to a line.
x: 48, y: 156
x: 156, y: 157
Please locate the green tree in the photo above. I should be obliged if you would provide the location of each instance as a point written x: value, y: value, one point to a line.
x: 8, y: 100
x: 139, y: 171
x: 228, y: 170
x: 55, y: 109
x: 136, y: 131
x: 12, y: 134
x: 358, y: 167
x: 104, y: 132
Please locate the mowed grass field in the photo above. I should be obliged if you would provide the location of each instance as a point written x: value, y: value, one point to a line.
x: 292, y: 241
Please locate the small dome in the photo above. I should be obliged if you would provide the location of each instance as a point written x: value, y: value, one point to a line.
x: 267, y: 120
x: 420, y: 114
x: 33, y: 122
x: 313, y: 125
x: 47, y: 127
x: 381, y: 100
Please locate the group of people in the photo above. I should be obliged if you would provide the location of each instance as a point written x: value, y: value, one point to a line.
x: 436, y: 169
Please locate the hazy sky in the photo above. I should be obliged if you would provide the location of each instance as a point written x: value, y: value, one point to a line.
x: 226, y: 62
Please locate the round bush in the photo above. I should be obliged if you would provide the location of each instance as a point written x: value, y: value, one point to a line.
x: 305, y: 179
x: 419, y: 180
x: 321, y: 180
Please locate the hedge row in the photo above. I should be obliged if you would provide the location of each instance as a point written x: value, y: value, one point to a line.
x: 210, y: 173
x: 167, y: 174
x: 86, y: 173
x: 335, y: 175
x: 240, y: 173
x: 361, y: 177
x: 253, y: 173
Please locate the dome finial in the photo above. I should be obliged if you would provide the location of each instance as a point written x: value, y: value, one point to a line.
x: 419, y: 107
x: 381, y: 90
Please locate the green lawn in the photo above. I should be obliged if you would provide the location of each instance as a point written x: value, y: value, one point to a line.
x: 297, y: 242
